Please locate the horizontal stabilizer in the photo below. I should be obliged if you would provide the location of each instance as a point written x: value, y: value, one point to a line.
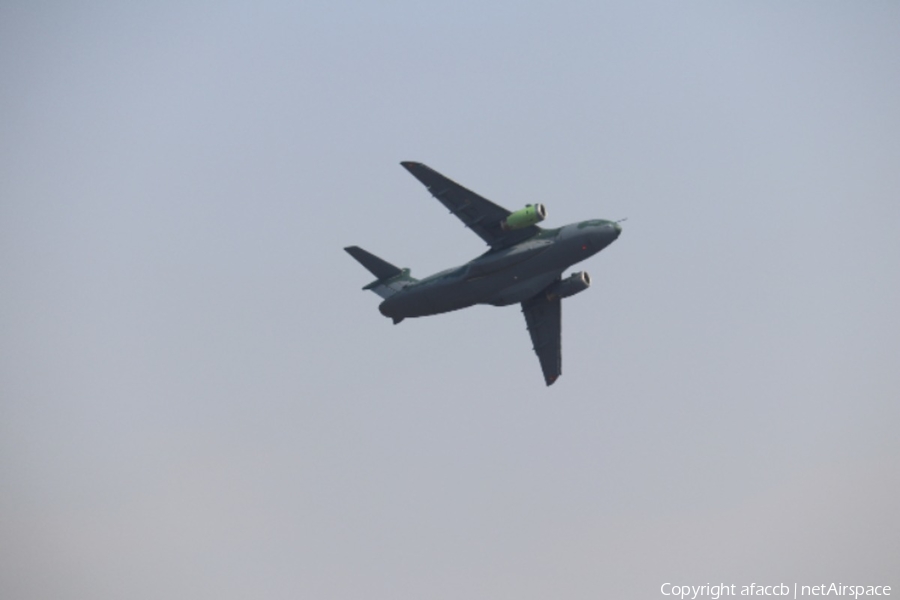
x: 390, y: 279
x: 378, y: 267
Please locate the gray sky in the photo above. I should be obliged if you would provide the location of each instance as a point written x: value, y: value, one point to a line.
x: 197, y: 400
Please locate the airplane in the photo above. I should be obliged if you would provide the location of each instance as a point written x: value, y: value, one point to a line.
x: 523, y: 265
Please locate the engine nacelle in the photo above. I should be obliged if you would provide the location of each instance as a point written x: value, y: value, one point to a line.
x: 577, y: 282
x: 526, y: 217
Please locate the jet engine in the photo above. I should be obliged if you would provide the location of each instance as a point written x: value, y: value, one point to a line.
x: 571, y: 285
x: 526, y: 217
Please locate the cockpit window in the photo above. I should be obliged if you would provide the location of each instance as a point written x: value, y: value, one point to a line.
x: 593, y: 223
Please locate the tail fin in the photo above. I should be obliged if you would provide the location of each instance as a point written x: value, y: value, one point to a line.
x: 390, y: 278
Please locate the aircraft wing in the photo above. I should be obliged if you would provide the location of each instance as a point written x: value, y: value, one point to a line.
x: 544, y: 319
x: 478, y: 214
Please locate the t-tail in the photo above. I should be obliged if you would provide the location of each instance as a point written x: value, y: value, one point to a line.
x: 390, y: 280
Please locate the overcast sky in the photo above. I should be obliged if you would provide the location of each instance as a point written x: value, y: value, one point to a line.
x: 198, y: 401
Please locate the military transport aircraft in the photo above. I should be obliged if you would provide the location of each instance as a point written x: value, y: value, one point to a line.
x: 524, y: 265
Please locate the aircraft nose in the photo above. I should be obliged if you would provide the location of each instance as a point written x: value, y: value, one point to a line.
x: 617, y: 229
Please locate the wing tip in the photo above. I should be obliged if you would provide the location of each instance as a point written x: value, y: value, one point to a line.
x: 419, y: 170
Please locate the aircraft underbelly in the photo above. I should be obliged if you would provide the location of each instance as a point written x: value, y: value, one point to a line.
x: 521, y: 290
x: 499, y: 289
x: 515, y: 283
x: 511, y: 285
x: 501, y: 279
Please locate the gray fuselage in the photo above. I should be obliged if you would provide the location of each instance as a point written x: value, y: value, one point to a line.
x: 507, y: 276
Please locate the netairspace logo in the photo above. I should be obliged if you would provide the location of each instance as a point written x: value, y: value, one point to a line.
x: 714, y: 592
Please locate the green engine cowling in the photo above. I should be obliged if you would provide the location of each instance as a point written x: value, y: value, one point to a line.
x: 526, y: 217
